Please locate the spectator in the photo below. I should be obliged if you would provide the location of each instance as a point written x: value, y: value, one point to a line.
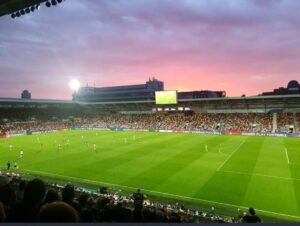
x: 51, y: 196
x: 27, y: 210
x: 7, y: 194
x: 58, y: 212
x: 83, y: 199
x: 95, y: 207
x: 138, y: 200
x: 68, y: 195
x: 20, y: 191
x: 2, y: 213
x: 251, y: 217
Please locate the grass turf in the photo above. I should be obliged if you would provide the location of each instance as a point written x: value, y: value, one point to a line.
x: 235, y: 172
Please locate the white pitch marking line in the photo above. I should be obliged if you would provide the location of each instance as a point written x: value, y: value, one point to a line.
x: 231, y: 154
x: 259, y: 175
x: 163, y: 193
x: 287, y: 155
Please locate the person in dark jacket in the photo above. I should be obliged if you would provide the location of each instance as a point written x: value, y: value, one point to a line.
x: 251, y: 217
x: 27, y: 210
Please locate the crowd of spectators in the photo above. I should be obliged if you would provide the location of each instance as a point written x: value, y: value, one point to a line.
x: 37, y: 201
x: 22, y: 127
x: 298, y: 121
x: 284, y: 121
x: 238, y: 122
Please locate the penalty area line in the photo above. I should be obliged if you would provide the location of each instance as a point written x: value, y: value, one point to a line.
x: 259, y: 175
x: 161, y: 193
x: 231, y: 154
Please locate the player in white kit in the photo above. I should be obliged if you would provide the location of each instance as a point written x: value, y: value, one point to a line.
x: 21, y: 153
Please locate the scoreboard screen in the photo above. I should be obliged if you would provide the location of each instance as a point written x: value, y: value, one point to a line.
x: 166, y: 97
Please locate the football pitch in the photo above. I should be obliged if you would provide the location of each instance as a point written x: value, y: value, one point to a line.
x: 227, y: 172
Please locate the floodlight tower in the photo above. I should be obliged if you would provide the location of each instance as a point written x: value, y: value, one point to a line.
x: 74, y: 85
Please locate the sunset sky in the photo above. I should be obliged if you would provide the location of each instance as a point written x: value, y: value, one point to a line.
x: 240, y: 46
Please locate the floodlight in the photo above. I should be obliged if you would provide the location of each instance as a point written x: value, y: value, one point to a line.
x: 74, y: 84
x: 48, y: 4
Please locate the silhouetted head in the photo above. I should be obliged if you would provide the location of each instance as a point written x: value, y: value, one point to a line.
x: 4, y: 180
x: 34, y: 192
x: 58, y: 212
x: 82, y: 199
x: 51, y: 196
x: 102, y: 202
x: 7, y: 195
x: 68, y: 193
x: 251, y: 211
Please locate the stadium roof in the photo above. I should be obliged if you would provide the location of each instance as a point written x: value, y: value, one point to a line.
x: 34, y: 101
x: 257, y: 103
x: 11, y: 6
x: 225, y: 99
x: 274, y: 97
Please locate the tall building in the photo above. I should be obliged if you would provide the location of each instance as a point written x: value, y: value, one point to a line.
x: 120, y: 93
x: 293, y: 87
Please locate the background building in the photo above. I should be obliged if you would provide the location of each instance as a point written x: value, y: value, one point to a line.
x: 120, y: 93
x: 25, y: 94
x: 140, y: 92
x: 293, y: 87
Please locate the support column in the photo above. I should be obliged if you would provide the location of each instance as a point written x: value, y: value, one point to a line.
x: 274, y: 122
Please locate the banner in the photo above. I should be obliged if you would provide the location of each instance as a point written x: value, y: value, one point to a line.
x: 165, y: 131
x: 32, y: 132
x: 117, y: 129
x: 100, y: 129
x: 207, y: 132
x: 80, y: 128
x: 231, y: 133
x: 3, y: 136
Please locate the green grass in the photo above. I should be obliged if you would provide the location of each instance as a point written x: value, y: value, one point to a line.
x: 235, y: 172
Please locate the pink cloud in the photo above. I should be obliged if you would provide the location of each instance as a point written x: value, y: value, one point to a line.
x: 243, y: 47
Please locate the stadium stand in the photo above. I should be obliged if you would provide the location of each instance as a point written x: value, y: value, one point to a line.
x: 250, y: 123
x: 297, y: 123
x: 38, y: 201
